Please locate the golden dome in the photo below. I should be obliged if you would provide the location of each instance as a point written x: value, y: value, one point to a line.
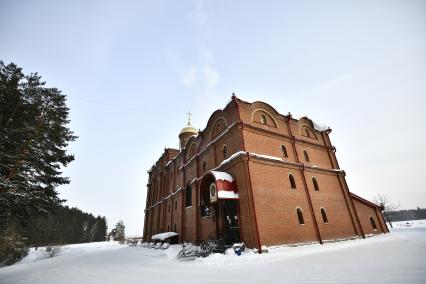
x: 188, y: 129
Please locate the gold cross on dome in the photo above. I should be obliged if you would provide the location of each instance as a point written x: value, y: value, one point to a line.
x: 189, y: 117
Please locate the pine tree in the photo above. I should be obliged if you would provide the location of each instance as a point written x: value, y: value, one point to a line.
x: 118, y: 232
x: 33, y: 140
x: 98, y: 230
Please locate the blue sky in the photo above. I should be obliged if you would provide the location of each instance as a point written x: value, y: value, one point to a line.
x: 132, y: 69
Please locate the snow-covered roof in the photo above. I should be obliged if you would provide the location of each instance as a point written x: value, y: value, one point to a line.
x: 317, y: 126
x: 232, y: 157
x: 266, y: 157
x: 163, y: 236
x: 222, y: 176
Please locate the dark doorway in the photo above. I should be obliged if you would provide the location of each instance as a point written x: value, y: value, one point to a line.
x: 230, y: 222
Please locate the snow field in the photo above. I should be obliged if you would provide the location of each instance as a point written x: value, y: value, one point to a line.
x: 397, y: 257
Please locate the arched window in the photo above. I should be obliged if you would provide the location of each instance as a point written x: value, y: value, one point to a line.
x: 168, y: 227
x: 292, y: 181
x: 218, y: 128
x: 188, y: 196
x: 315, y: 182
x: 324, y: 216
x: 284, y: 151
x: 300, y: 216
x: 305, y: 154
x: 225, y: 151
x: 263, y: 119
x: 175, y: 228
x: 373, y: 223
x: 192, y: 150
x: 307, y: 133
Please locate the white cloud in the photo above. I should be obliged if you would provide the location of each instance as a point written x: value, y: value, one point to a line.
x: 211, y: 76
x: 189, y: 77
x: 202, y: 77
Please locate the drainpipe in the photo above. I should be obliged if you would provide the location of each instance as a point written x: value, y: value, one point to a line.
x: 248, y: 176
x: 346, y: 188
x: 160, y: 182
x: 378, y: 220
x: 382, y: 219
x: 182, y: 191
x: 293, y: 143
x: 335, y: 165
x: 171, y: 197
x: 196, y: 205
x: 252, y: 202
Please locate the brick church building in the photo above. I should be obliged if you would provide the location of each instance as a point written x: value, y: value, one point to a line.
x: 257, y: 176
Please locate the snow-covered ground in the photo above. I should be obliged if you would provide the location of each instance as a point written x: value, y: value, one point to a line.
x: 398, y: 257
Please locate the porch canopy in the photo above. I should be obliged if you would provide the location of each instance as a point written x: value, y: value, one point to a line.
x: 163, y: 236
x: 225, y: 185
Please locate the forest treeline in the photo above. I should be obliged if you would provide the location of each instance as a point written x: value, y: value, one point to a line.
x: 407, y: 215
x: 65, y: 225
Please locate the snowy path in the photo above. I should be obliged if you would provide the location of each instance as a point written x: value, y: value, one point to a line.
x: 398, y: 257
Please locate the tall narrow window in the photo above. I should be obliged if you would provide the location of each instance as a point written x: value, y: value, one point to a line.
x: 315, y: 182
x: 176, y: 205
x: 373, y: 223
x: 225, y: 151
x: 169, y: 208
x: 300, y: 216
x: 218, y: 128
x: 188, y: 196
x: 168, y: 227
x: 204, y: 166
x: 175, y: 228
x: 324, y: 216
x: 305, y: 154
x: 292, y: 181
x: 307, y: 133
x: 263, y: 119
x: 284, y: 151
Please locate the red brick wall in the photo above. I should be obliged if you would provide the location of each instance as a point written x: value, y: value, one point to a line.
x: 331, y: 198
x: 364, y: 213
x: 276, y: 204
x: 263, y: 185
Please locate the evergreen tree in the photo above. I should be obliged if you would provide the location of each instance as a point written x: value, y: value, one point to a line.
x: 33, y: 140
x: 98, y: 230
x: 118, y: 232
